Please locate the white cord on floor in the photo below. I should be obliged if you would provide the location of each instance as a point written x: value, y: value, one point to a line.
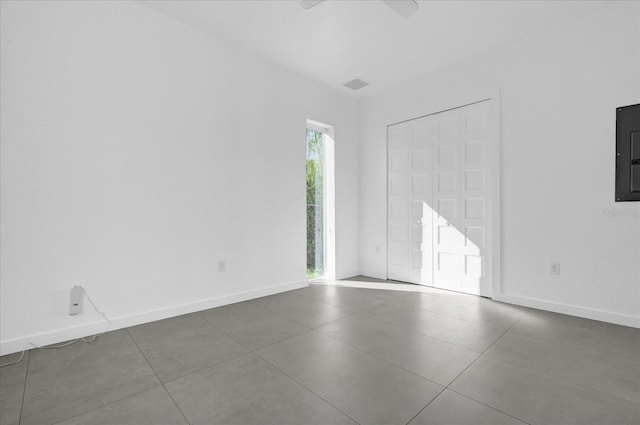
x: 88, y: 340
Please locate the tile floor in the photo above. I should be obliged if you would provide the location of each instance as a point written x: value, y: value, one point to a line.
x: 331, y: 354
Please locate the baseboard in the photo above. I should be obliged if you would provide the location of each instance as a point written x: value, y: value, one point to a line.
x: 573, y: 310
x: 59, y: 335
x: 378, y: 274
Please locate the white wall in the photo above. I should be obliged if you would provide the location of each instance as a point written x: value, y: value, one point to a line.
x: 559, y: 90
x: 136, y: 153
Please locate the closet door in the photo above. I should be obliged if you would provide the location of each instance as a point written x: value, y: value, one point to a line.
x: 477, y: 215
x: 410, y: 253
x: 447, y: 221
x: 440, y: 200
x: 398, y: 202
x: 462, y: 182
x: 420, y: 192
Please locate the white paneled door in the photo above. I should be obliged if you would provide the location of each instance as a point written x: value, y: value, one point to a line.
x: 420, y: 194
x: 440, y: 200
x: 398, y: 203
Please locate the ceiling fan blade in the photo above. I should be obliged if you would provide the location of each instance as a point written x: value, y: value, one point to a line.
x: 308, y: 4
x: 404, y: 8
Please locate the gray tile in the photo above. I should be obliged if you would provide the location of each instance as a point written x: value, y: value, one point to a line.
x: 578, y: 338
x: 152, y: 407
x: 536, y: 398
x: 248, y: 390
x: 351, y: 299
x: 301, y: 309
x: 467, y: 307
x: 181, y: 345
x: 590, y: 369
x: 433, y: 359
x: 446, y: 328
x: 251, y: 325
x: 12, y: 379
x: 369, y: 390
x: 450, y: 408
x: 65, y: 382
x: 383, y: 294
x: 361, y: 278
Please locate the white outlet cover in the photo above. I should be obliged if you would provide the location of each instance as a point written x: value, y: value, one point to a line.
x: 75, y: 300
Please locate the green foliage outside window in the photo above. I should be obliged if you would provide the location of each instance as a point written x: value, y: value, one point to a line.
x: 315, y: 250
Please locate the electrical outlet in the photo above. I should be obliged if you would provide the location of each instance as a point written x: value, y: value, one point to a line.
x: 554, y: 269
x: 222, y: 265
x: 75, y: 300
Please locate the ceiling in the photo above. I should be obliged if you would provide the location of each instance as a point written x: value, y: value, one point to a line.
x: 340, y: 40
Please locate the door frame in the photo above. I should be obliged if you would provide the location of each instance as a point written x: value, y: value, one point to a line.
x: 493, y: 96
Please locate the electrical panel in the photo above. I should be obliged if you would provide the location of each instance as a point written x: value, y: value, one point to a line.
x: 628, y: 153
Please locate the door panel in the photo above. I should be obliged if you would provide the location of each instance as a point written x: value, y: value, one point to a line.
x: 474, y: 179
x: 474, y: 208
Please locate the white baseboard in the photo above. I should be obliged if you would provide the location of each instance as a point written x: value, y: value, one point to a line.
x: 59, y: 335
x: 573, y: 310
x: 378, y: 274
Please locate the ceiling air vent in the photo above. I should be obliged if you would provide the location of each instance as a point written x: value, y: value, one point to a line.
x: 356, y: 84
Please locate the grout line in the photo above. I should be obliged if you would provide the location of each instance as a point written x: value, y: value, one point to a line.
x: 587, y: 349
x: 559, y: 377
x: 381, y: 320
x: 223, y: 332
x: 449, y: 316
x: 155, y: 373
x: 380, y: 358
x: 87, y: 411
x: 444, y: 387
x: 527, y: 313
x: 375, y: 357
x: 349, y: 312
x: 303, y: 386
x: 176, y: 404
x: 197, y: 314
x: 108, y: 404
x: 427, y: 405
x: 307, y: 329
x: 249, y: 351
x: 208, y: 367
x: 364, y: 311
x: 282, y: 340
x: 483, y: 352
x: 413, y: 331
x: 474, y: 361
x: 253, y: 352
x: 24, y: 388
x: 490, y: 407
